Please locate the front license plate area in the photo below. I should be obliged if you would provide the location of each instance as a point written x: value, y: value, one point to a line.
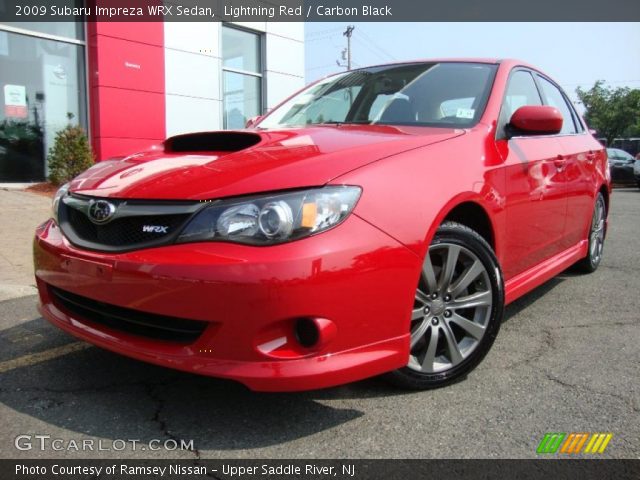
x: 88, y: 268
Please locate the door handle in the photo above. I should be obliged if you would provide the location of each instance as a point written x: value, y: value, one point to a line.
x: 560, y: 162
x: 591, y: 156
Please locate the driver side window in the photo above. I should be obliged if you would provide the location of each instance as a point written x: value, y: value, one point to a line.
x: 521, y: 91
x: 555, y: 98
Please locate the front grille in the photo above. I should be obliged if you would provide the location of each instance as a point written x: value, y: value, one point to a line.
x: 135, y: 224
x: 135, y: 322
x: 127, y: 231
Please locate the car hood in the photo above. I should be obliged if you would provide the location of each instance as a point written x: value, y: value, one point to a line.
x: 211, y: 165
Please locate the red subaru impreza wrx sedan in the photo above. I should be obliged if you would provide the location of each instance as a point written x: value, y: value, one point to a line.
x: 376, y: 222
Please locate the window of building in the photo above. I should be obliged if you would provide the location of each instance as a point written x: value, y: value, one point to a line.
x: 42, y: 87
x: 241, y: 76
x: 67, y: 30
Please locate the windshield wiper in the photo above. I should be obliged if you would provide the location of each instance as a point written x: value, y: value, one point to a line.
x: 335, y: 122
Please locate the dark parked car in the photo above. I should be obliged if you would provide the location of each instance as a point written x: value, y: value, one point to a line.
x: 621, y: 166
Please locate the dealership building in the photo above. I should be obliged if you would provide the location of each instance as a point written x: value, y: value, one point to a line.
x: 130, y: 85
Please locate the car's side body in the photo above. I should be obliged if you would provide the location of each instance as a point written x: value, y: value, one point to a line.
x: 530, y: 197
x: 536, y: 192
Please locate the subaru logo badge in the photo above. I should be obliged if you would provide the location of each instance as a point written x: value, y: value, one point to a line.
x: 101, y: 211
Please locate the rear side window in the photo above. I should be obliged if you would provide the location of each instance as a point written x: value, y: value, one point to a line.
x: 555, y: 98
x: 521, y: 91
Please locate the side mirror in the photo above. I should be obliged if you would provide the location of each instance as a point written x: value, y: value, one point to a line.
x: 253, y: 121
x: 536, y: 120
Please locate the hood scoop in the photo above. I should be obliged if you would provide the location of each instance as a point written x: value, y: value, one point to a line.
x: 211, y: 142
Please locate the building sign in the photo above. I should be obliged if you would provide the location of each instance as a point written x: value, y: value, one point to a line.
x: 15, y: 101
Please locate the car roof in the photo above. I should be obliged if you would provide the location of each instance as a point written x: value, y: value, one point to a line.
x: 438, y: 60
x: 493, y: 61
x: 507, y: 62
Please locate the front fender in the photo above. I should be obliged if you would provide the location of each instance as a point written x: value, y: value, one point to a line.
x: 409, y: 195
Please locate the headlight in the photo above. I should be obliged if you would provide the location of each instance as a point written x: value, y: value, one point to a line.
x: 272, y: 218
x: 55, y: 205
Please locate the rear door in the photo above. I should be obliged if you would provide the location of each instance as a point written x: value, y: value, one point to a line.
x: 536, y: 203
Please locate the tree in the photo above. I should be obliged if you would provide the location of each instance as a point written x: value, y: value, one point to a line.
x: 70, y: 155
x: 613, y: 113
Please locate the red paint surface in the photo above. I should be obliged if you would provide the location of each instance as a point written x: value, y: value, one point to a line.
x: 283, y: 159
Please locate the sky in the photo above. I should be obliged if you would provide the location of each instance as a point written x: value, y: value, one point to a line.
x: 573, y: 54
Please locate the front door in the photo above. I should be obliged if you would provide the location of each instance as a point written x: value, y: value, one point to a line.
x: 536, y: 201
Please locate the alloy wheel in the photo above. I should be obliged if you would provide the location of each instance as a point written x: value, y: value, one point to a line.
x: 596, y: 243
x: 452, y: 308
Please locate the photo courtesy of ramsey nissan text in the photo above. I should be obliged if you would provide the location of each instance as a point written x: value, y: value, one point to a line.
x: 357, y: 240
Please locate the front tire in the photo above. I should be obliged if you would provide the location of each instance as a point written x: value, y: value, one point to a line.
x: 457, y: 312
x: 591, y: 262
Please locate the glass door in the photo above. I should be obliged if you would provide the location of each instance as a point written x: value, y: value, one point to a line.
x: 42, y: 89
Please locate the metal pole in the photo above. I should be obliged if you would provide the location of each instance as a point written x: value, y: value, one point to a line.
x: 347, y: 33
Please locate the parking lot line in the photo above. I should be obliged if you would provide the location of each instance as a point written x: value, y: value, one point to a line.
x: 35, y: 358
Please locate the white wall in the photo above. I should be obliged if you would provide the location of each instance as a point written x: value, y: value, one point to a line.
x: 193, y: 70
x: 284, y: 58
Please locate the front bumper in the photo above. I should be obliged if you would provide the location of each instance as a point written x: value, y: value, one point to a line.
x: 354, y: 278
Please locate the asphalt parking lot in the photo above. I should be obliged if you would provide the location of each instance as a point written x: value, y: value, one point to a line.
x: 566, y: 360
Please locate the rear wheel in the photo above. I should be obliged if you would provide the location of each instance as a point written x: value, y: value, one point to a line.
x: 457, y: 310
x: 591, y: 262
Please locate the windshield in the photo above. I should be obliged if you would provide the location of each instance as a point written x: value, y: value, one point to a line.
x: 616, y: 154
x: 422, y: 94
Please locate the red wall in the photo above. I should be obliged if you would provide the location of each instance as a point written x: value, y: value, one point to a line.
x: 126, y: 86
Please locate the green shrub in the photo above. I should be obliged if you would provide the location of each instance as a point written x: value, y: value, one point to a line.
x: 70, y: 155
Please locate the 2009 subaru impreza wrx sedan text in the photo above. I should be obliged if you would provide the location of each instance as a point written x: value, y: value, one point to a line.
x: 376, y: 222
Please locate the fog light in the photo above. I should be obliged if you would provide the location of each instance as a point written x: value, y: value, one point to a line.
x: 296, y: 337
x: 306, y: 332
